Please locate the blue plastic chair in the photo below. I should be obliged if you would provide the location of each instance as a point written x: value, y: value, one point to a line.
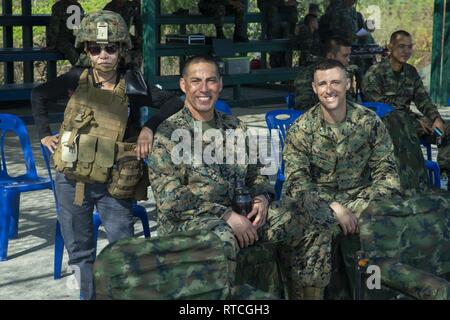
x: 281, y: 120
x: 12, y: 187
x: 222, y: 106
x: 138, y: 211
x: 434, y: 173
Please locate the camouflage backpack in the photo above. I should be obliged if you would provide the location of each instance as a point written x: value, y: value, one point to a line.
x: 186, y: 265
x: 410, y: 243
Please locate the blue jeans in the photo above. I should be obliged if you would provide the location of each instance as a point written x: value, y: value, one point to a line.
x: 77, y: 225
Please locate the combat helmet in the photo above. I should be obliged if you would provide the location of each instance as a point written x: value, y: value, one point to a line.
x: 102, y: 27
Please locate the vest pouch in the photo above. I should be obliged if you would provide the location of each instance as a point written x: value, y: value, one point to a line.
x: 104, y: 159
x: 126, y: 173
x: 81, y: 117
x: 86, y: 155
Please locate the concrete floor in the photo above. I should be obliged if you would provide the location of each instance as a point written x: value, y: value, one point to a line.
x: 28, y: 272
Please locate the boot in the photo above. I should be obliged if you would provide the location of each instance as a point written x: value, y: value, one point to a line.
x: 312, y: 293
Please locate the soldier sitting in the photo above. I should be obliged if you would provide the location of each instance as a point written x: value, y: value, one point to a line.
x: 193, y: 194
x: 219, y: 9
x: 397, y: 83
x: 59, y: 36
x: 340, y: 165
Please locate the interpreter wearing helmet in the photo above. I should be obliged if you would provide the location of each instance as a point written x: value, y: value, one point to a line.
x: 98, y: 152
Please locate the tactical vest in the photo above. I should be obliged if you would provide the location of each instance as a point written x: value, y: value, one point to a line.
x: 90, y: 145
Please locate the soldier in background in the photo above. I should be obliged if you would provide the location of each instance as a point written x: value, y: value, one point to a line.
x: 344, y: 21
x: 219, y: 9
x: 334, y: 48
x: 276, y: 26
x: 59, y: 36
x: 307, y: 40
x: 397, y: 83
x: 130, y: 10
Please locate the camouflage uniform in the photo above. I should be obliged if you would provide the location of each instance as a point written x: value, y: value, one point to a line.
x: 219, y: 9
x: 58, y: 35
x: 131, y: 13
x: 305, y: 98
x: 344, y: 22
x: 381, y: 84
x: 354, y: 170
x: 308, y: 43
x: 196, y: 197
x: 276, y: 27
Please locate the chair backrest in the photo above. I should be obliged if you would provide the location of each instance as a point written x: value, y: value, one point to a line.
x: 381, y: 109
x: 12, y: 123
x: 222, y: 106
x: 281, y: 120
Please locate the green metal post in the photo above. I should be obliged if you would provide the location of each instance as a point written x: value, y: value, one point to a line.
x: 149, y: 48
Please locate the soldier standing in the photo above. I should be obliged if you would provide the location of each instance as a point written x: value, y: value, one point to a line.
x: 99, y: 117
x: 397, y: 83
x: 192, y: 195
x: 59, y: 36
x: 219, y: 9
x: 130, y: 10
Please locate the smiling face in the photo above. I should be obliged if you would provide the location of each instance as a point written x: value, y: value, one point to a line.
x: 401, y: 49
x: 202, y: 85
x: 331, y: 86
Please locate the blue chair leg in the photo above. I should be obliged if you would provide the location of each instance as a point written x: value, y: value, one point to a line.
x: 97, y: 223
x: 59, y: 251
x: 5, y: 218
x: 14, y: 222
x: 141, y: 213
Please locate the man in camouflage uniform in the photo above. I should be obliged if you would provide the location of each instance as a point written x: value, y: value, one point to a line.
x: 276, y: 27
x: 336, y: 49
x: 338, y: 157
x: 344, y: 21
x: 307, y: 40
x: 397, y: 83
x: 219, y: 9
x: 59, y: 36
x: 130, y: 10
x: 192, y: 195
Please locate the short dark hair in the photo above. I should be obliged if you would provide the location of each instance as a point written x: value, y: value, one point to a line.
x: 308, y: 18
x: 328, y: 64
x: 399, y: 33
x: 197, y: 59
x: 334, y: 44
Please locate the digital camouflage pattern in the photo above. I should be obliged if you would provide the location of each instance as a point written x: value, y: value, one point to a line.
x: 195, y: 197
x: 410, y: 242
x: 117, y: 29
x: 381, y: 84
x: 188, y: 265
x: 354, y: 170
x: 218, y: 9
x: 305, y: 98
x: 58, y: 35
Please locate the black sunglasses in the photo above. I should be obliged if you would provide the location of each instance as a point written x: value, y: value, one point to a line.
x: 96, y: 49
